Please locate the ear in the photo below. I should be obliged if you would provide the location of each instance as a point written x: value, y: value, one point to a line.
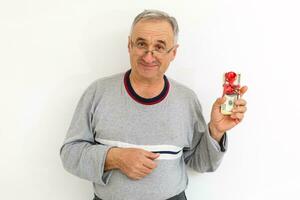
x: 128, y: 46
x: 174, y: 51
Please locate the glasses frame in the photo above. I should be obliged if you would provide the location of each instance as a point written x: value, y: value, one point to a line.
x: 146, y: 51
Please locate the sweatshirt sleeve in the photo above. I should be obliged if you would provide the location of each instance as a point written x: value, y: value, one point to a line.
x: 205, y: 153
x: 80, y: 154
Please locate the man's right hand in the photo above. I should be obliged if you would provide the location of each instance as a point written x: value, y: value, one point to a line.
x: 133, y: 162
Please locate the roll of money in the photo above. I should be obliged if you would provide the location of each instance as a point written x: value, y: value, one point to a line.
x: 227, y: 107
x: 232, y: 95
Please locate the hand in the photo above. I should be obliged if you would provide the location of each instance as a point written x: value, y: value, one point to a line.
x: 135, y: 163
x: 220, y: 123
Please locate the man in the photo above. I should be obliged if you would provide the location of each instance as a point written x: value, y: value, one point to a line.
x: 133, y: 133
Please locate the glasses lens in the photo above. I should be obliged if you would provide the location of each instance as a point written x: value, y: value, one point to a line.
x: 141, y: 49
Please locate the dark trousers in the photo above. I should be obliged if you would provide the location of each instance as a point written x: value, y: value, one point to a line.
x: 180, y: 196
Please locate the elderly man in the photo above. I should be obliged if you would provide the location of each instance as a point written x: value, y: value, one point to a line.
x: 133, y: 133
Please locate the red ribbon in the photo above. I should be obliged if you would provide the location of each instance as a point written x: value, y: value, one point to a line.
x: 229, y: 86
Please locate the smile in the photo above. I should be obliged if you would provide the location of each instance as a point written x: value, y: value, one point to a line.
x: 148, y: 65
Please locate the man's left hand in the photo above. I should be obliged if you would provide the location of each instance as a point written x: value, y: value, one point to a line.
x: 220, y: 123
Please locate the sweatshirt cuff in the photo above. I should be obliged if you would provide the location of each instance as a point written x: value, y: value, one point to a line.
x: 105, y: 175
x: 220, y: 146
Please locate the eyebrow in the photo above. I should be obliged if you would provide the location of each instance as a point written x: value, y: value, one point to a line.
x: 162, y: 41
x: 140, y: 39
x: 159, y: 41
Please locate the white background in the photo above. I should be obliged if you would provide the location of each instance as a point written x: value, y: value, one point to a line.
x: 50, y: 51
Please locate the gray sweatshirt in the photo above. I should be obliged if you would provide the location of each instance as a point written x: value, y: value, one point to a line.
x: 108, y: 115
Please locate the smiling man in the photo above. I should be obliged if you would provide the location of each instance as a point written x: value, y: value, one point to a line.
x: 133, y: 133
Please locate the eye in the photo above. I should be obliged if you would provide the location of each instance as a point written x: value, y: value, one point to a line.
x: 141, y: 45
x: 160, y: 48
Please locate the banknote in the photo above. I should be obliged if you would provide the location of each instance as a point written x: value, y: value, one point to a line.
x: 229, y: 104
x: 231, y: 86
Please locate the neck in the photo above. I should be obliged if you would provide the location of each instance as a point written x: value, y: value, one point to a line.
x: 146, y: 88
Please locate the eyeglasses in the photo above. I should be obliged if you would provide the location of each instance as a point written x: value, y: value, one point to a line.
x: 159, y: 50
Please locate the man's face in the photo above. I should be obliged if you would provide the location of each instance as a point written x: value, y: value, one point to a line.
x: 151, y: 35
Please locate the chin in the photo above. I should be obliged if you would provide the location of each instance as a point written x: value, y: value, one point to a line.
x: 149, y: 72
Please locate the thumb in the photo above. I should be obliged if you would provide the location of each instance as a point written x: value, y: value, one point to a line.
x: 219, y: 102
x: 243, y: 90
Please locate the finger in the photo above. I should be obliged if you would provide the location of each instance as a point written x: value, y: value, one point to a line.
x: 136, y: 174
x: 151, y: 155
x: 236, y: 120
x: 243, y: 90
x: 240, y: 116
x: 139, y: 175
x: 240, y: 102
x: 233, y: 116
x: 142, y: 174
x: 146, y: 170
x: 149, y: 164
x: 237, y: 116
x: 240, y: 109
x: 139, y: 172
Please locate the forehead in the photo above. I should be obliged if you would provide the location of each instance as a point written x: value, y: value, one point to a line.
x: 153, y: 30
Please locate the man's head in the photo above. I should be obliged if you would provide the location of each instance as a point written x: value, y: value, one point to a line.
x: 152, y: 44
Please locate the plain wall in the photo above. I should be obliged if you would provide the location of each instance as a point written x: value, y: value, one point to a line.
x: 51, y: 50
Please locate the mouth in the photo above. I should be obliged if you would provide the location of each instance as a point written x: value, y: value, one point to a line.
x: 152, y: 65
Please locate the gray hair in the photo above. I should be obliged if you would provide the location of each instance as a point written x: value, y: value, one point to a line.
x: 157, y: 15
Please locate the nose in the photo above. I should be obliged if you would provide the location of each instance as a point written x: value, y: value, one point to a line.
x: 148, y: 57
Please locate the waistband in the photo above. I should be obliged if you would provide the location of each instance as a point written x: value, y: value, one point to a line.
x: 180, y: 196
